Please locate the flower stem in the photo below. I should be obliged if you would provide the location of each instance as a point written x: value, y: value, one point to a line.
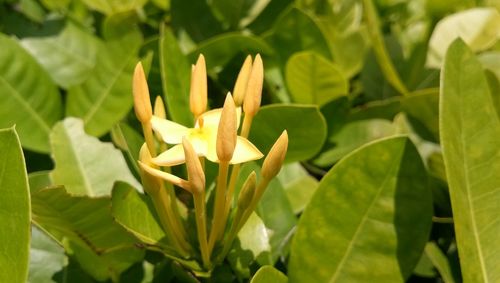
x: 201, y: 225
x: 219, y: 205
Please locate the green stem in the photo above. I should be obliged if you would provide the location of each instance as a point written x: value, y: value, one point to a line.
x: 219, y: 205
x: 380, y: 49
x: 201, y: 225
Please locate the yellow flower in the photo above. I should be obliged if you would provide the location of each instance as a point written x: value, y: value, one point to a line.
x: 203, y: 137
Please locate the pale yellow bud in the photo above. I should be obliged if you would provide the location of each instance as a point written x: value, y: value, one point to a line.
x: 149, y: 182
x: 248, y: 191
x: 196, y: 176
x: 274, y: 159
x: 226, y: 133
x: 142, y: 103
x: 198, y: 92
x: 240, y: 87
x: 253, y: 93
x: 159, y: 108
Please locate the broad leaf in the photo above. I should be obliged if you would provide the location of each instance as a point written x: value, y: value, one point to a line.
x: 106, y: 96
x: 175, y: 78
x: 314, y: 80
x: 102, y: 247
x: 29, y: 98
x: 305, y: 125
x: 269, y: 274
x: 68, y: 57
x: 130, y: 142
x: 478, y: 27
x: 470, y: 131
x: 222, y: 48
x: 372, y: 211
x: 240, y: 13
x: 298, y: 184
x: 85, y: 165
x: 46, y: 258
x: 14, y: 210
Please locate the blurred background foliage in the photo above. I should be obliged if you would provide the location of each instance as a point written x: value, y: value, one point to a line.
x: 338, y: 74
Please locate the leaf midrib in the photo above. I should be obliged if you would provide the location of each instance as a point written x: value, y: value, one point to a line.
x: 365, y: 216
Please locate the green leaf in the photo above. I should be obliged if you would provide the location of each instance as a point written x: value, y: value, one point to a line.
x: 239, y: 13
x: 110, y: 7
x: 352, y: 136
x: 136, y: 213
x: 470, y: 131
x: 372, y: 211
x: 68, y: 57
x: 102, y: 247
x: 85, y: 165
x: 269, y: 274
x: 130, y: 142
x: 295, y: 31
x: 39, y: 180
x: 305, y: 125
x: 205, y: 26
x: 440, y: 262
x: 106, y: 96
x: 298, y: 184
x: 46, y: 258
x: 175, y: 78
x: 423, y: 110
x: 314, y: 80
x: 29, y: 98
x: 221, y: 49
x: 14, y: 209
x: 478, y: 27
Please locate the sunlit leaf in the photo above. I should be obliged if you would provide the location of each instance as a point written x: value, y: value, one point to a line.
x: 470, y: 131
x: 15, y: 213
x: 269, y: 274
x: 46, y: 258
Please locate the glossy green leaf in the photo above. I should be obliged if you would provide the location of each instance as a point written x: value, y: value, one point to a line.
x: 251, y: 244
x: 85, y: 165
x: 175, y: 78
x: 110, y: 7
x: 372, y: 211
x: 296, y: 31
x: 352, y: 136
x: 304, y: 139
x: 440, y: 261
x: 478, y: 27
x: 312, y: 79
x: 269, y: 274
x: 68, y: 57
x: 470, y: 131
x: 102, y: 247
x: 106, y: 96
x: 222, y: 48
x: 298, y: 184
x: 46, y: 258
x: 15, y: 213
x: 29, y: 98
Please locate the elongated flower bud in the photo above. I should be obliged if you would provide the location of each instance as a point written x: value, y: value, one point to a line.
x: 150, y: 183
x: 142, y: 103
x: 274, y: 159
x: 196, y: 176
x: 198, y: 92
x: 159, y: 108
x: 226, y: 133
x: 253, y: 94
x: 247, y: 192
x: 240, y: 87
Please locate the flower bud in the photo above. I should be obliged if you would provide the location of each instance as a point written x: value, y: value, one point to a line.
x: 274, y: 159
x: 196, y: 176
x: 142, y: 103
x: 253, y: 93
x: 226, y: 133
x: 150, y: 183
x: 198, y: 91
x: 247, y: 192
x: 240, y: 87
x: 159, y: 108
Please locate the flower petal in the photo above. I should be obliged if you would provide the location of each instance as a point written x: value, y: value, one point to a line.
x: 172, y: 156
x: 170, y: 132
x: 211, y: 118
x: 245, y: 151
